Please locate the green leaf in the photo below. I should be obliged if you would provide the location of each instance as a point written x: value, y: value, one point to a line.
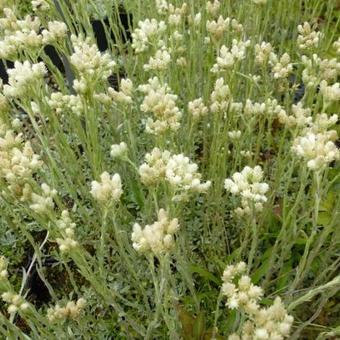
x: 205, y: 274
x: 324, y: 218
x: 199, y: 326
x: 261, y: 272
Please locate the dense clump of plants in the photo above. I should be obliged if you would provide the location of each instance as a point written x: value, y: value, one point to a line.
x: 169, y: 169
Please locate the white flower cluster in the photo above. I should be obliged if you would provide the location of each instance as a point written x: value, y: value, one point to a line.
x: 220, y: 97
x: 182, y: 174
x: 330, y: 93
x: 118, y: 150
x: 91, y: 65
x: 317, y: 69
x: 263, y: 52
x: 162, y: 6
x: 3, y: 268
x: 16, y: 302
x: 228, y: 57
x: 159, y: 62
x: 19, y: 35
x: 213, y: 8
x: 109, y: 189
x: 153, y: 170
x: 318, y: 149
x: 41, y: 203
x: 235, y: 134
x: 322, y: 122
x: 242, y: 295
x: 174, y: 14
x: 18, y: 160
x: 72, y: 310
x: 124, y: 96
x: 162, y: 103
x: 158, y: 237
x: 177, y: 170
x: 282, y: 67
x: 197, y: 108
x: 66, y: 228
x: 269, y: 108
x: 62, y: 103
x: 148, y: 32
x: 56, y: 31
x: 24, y: 78
x: 299, y: 117
x: 308, y: 38
x: 248, y: 185
x: 40, y: 6
x: 271, y: 323
x: 217, y: 28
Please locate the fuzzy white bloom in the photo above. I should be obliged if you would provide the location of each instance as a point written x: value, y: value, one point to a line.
x: 19, y: 35
x: 118, y: 150
x: 153, y: 170
x: 220, y: 97
x: 182, y: 174
x: 123, y: 96
x: 300, y: 117
x: 196, y: 20
x: 269, y: 108
x: 40, y: 6
x: 228, y: 57
x: 158, y: 237
x: 318, y: 149
x: 66, y: 103
x: 3, y: 268
x: 72, y: 310
x: 109, y: 189
x: 148, y: 31
x: 317, y: 69
x: 281, y: 67
x: 177, y: 170
x: 174, y: 14
x: 308, y: 38
x: 197, y: 108
x: 181, y: 62
x: 263, y: 52
x: 248, y: 185
x: 330, y: 93
x: 259, y: 2
x: 43, y: 203
x: 18, y: 160
x: 218, y: 27
x: 236, y: 134
x: 23, y: 78
x: 162, y: 6
x: 67, y: 244
x: 322, y: 122
x: 261, y: 323
x: 90, y: 64
x: 213, y: 7
x: 16, y: 302
x: 159, y: 62
x: 66, y: 228
x: 162, y: 103
x: 238, y: 288
x: 56, y: 32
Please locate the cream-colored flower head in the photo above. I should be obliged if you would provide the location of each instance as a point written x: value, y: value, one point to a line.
x: 109, y: 189
x: 157, y: 238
